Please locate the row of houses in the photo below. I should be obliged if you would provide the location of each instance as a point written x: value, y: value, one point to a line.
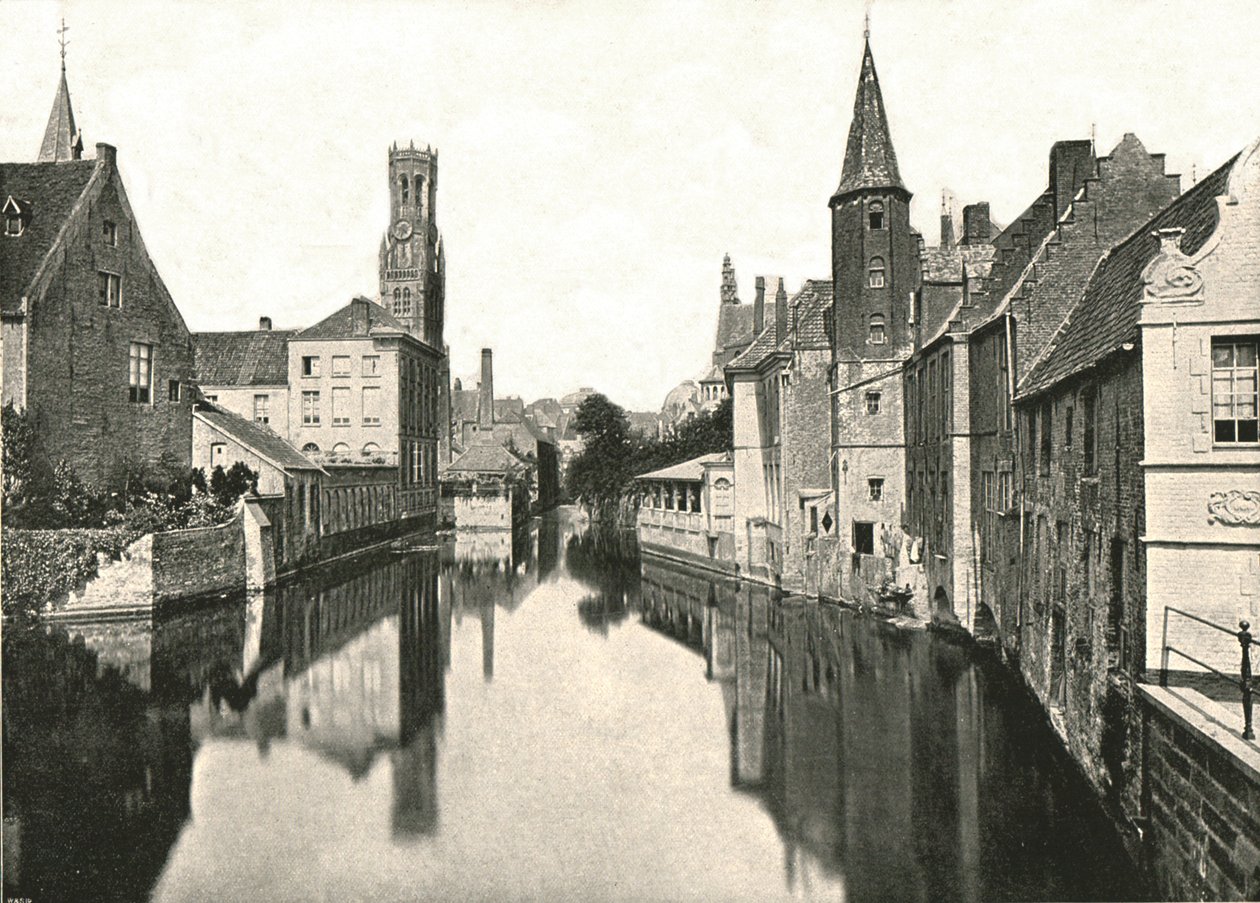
x: 347, y: 420
x: 1042, y: 433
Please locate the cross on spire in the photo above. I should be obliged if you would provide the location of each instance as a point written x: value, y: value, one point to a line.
x: 61, y: 39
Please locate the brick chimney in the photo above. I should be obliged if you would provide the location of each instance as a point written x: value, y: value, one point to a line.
x: 759, y: 307
x: 485, y: 391
x: 947, y: 226
x: 1071, y: 163
x: 360, y: 320
x: 780, y: 312
x: 264, y: 324
x: 976, y: 224
x: 106, y: 154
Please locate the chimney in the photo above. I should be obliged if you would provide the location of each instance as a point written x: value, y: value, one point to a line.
x: 977, y: 224
x: 264, y: 324
x: 485, y: 391
x: 106, y: 153
x: 780, y: 312
x: 1071, y: 163
x: 359, y: 317
x: 947, y: 225
x: 759, y: 307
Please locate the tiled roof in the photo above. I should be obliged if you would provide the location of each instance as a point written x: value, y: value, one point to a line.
x: 257, y: 438
x: 687, y: 470
x: 1106, y: 316
x: 764, y: 345
x: 484, y: 457
x: 50, y: 190
x: 340, y: 325
x: 809, y: 317
x: 735, y: 326
x: 257, y: 358
x: 869, y: 158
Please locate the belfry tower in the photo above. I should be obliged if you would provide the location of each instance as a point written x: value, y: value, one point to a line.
x: 413, y: 265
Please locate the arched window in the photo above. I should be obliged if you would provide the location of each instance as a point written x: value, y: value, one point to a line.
x: 877, y: 329
x: 406, y: 302
x: 310, y: 448
x: 370, y: 449
x: 875, y: 214
x: 341, y: 449
x: 877, y: 272
x: 406, y: 189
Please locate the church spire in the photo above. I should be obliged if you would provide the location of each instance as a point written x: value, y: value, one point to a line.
x: 61, y: 140
x: 869, y: 158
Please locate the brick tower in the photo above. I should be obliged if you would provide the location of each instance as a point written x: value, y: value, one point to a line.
x: 412, y: 262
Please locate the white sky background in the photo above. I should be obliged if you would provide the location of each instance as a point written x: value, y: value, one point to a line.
x: 596, y: 159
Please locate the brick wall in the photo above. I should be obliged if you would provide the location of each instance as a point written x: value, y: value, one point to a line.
x: 202, y: 560
x: 805, y: 437
x: 1202, y: 800
x: 78, y: 349
x: 478, y: 512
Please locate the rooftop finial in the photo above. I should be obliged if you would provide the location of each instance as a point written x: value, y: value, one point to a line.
x: 866, y: 28
x: 61, y: 39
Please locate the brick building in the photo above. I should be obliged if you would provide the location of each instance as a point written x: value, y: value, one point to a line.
x: 94, y: 348
x: 1139, y: 462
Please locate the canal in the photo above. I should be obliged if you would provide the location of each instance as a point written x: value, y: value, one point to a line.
x: 540, y: 718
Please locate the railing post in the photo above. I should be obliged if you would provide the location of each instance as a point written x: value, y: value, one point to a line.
x: 1244, y: 640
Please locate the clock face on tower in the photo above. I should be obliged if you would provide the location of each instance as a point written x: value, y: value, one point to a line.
x: 402, y: 230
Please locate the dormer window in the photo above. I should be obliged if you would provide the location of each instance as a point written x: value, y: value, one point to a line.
x: 13, y: 220
x: 876, y: 275
x: 875, y: 215
x: 406, y: 189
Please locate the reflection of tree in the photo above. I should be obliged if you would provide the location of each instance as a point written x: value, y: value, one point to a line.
x: 607, y: 560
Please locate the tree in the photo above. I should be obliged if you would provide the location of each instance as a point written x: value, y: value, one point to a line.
x: 599, y: 474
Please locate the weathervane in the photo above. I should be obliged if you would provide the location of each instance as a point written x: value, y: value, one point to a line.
x: 866, y: 29
x: 61, y: 39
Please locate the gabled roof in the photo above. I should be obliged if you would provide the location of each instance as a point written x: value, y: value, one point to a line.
x: 62, y: 142
x: 687, y: 470
x: 257, y: 358
x: 258, y: 439
x: 869, y: 158
x: 340, y: 325
x: 1106, y: 316
x: 735, y: 326
x: 809, y: 317
x: 484, y: 457
x: 48, y: 192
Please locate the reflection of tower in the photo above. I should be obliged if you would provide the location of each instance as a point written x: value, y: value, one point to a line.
x: 487, y: 637
x: 751, y: 681
x: 422, y: 692
x: 548, y: 544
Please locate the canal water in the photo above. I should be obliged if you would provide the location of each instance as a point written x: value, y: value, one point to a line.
x: 541, y: 718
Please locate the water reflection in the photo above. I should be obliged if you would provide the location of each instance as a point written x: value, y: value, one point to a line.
x: 529, y: 716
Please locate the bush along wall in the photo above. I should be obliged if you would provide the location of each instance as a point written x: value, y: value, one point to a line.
x: 42, y: 566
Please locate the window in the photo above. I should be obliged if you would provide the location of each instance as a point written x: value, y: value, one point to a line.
x: 370, y: 449
x: 813, y: 520
x: 415, y: 462
x: 341, y: 407
x: 947, y: 393
x: 872, y: 402
x: 109, y: 231
x: 218, y: 455
x: 340, y: 365
x: 863, y: 538
x: 341, y: 449
x: 405, y: 309
x: 13, y: 224
x: 371, y: 406
x: 371, y: 365
x: 141, y: 373
x: 875, y: 488
x: 310, y: 448
x: 876, y: 279
x: 877, y: 329
x: 1234, y: 388
x: 1067, y: 426
x: 310, y: 366
x: 406, y: 189
x: 109, y: 289
x: 1047, y: 438
x: 310, y: 409
x: 1088, y: 403
x: 262, y: 409
x: 173, y: 392
x: 875, y: 215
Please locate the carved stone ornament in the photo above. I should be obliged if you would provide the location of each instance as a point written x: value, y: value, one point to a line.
x: 1171, y: 276
x: 1237, y: 506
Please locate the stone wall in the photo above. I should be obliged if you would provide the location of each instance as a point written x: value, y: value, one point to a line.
x: 484, y: 512
x: 1202, y: 799
x: 199, y: 561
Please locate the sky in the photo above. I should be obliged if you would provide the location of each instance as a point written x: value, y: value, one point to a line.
x: 596, y: 159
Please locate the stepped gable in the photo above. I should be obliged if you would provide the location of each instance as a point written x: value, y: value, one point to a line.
x: 255, y: 358
x: 1106, y: 315
x: 45, y: 195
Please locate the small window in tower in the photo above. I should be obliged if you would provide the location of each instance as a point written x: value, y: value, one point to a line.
x: 877, y: 272
x: 405, y: 310
x: 406, y: 189
x: 877, y: 327
x: 875, y: 213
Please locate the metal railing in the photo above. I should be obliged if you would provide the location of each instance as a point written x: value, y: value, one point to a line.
x: 1244, y: 678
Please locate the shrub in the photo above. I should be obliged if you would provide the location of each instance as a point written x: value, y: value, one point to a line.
x: 41, y: 565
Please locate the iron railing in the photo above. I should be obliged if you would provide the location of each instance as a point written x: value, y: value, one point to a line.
x: 1244, y: 678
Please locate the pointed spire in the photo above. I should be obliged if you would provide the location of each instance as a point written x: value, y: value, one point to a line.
x: 62, y: 141
x: 869, y: 158
x: 730, y: 293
